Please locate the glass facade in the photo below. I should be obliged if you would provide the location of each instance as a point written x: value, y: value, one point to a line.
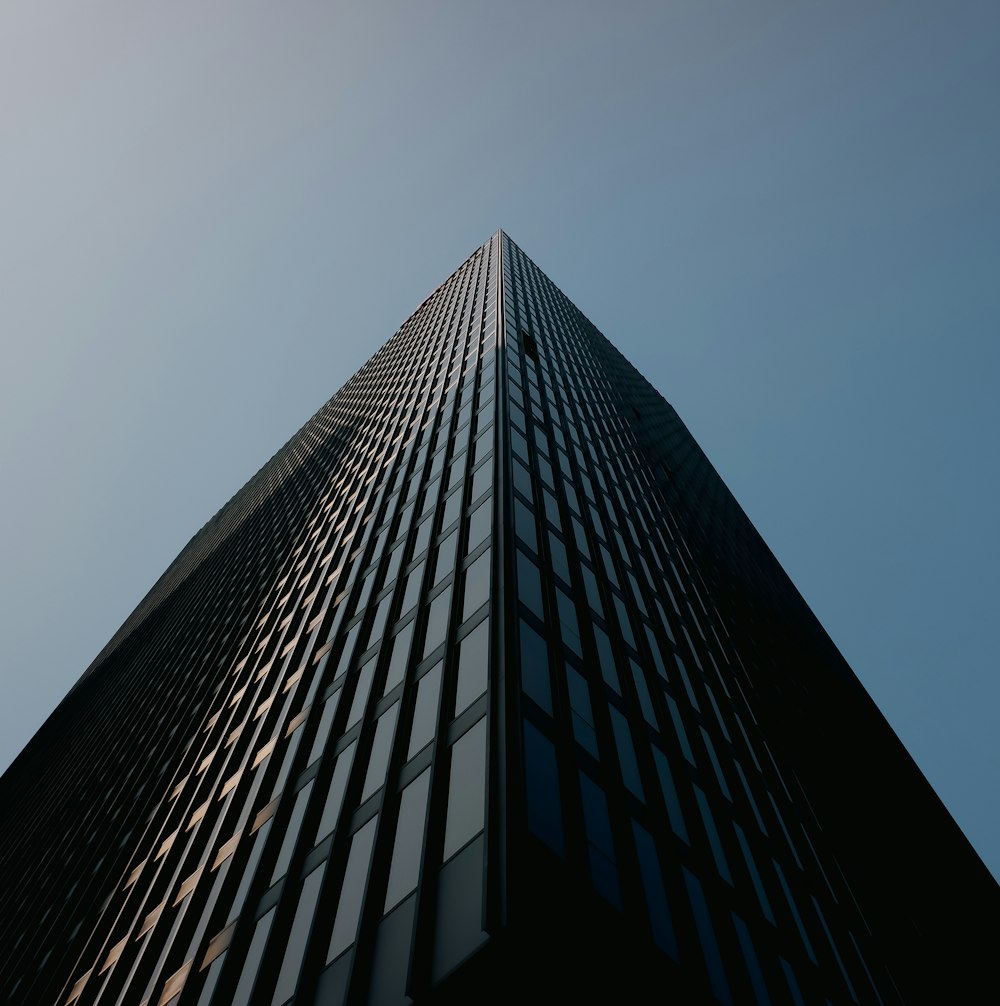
x: 484, y: 671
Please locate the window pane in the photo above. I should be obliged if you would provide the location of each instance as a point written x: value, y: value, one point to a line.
x: 607, y: 660
x: 437, y: 620
x: 292, y: 832
x: 298, y: 936
x: 753, y: 966
x: 251, y: 962
x: 378, y: 623
x: 482, y: 480
x: 542, y: 788
x: 706, y: 934
x: 529, y: 585
x: 335, y: 797
x: 645, y: 701
x: 656, y: 899
x: 714, y: 840
x: 445, y: 558
x: 670, y: 797
x: 325, y: 723
x: 793, y: 908
x: 758, y: 884
x: 364, y: 684
x: 477, y: 585
x: 535, y: 667
x: 405, y: 867
x: 400, y: 653
x: 480, y: 524
x: 598, y: 827
x: 453, y: 505
x: 426, y: 710
x: 583, y: 716
x: 412, y: 588
x: 568, y: 622
x: 345, y: 927
x: 682, y: 737
x: 467, y: 789
x: 473, y: 660
x: 524, y: 523
x: 626, y: 753
x: 378, y: 763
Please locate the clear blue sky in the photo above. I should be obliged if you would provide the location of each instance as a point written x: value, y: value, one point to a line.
x: 787, y: 215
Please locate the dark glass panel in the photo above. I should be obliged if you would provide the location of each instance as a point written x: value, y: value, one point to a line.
x: 251, y: 961
x: 529, y: 585
x: 335, y: 795
x: 437, y: 620
x: 709, y: 943
x: 298, y: 936
x: 542, y: 788
x: 405, y: 865
x: 345, y: 926
x: 425, y: 711
x: 473, y: 664
x: 400, y: 653
x: 466, y: 789
x: 535, y: 679
x: 477, y: 585
x: 656, y: 898
x: 597, y: 824
x: 378, y: 761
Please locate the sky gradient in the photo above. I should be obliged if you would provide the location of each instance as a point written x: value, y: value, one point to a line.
x: 785, y: 215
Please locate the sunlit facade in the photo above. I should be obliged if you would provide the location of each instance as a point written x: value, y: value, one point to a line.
x: 485, y: 675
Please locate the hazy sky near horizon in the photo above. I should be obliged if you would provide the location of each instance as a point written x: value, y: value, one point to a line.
x: 785, y: 214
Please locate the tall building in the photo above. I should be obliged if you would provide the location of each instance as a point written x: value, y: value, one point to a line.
x: 484, y: 689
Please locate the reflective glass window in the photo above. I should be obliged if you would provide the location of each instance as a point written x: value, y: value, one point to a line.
x: 363, y: 687
x: 473, y: 661
x: 480, y: 524
x: 582, y: 713
x: 251, y: 961
x: 325, y: 725
x: 298, y: 936
x: 437, y: 620
x: 755, y: 877
x: 714, y: 839
x: 626, y: 753
x: 568, y: 623
x: 681, y: 733
x: 794, y: 909
x: 378, y: 761
x: 535, y: 678
x: 345, y: 926
x: 652, y: 885
x: 542, y: 788
x: 529, y: 584
x: 477, y: 585
x: 606, y: 659
x: 398, y: 660
x: 597, y: 825
x: 425, y: 711
x: 291, y: 832
x: 405, y: 864
x: 524, y: 524
x: 445, y: 562
x: 466, y: 789
x: 709, y: 944
x: 335, y: 795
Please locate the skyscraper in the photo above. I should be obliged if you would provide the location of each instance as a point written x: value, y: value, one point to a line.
x: 483, y: 689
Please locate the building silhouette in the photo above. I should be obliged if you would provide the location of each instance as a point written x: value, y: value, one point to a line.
x: 484, y: 689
